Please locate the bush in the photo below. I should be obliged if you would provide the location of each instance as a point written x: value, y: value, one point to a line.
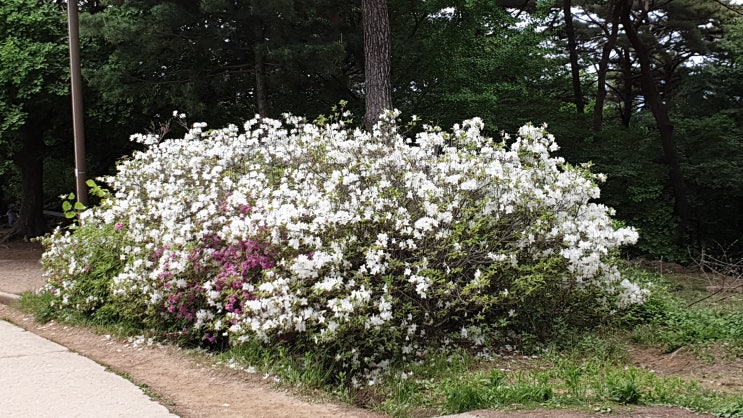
x: 361, y: 248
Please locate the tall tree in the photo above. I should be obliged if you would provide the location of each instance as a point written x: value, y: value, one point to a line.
x: 660, y: 113
x: 573, y: 54
x: 611, y: 32
x: 33, y: 73
x: 259, y: 59
x: 377, y: 82
x: 709, y: 126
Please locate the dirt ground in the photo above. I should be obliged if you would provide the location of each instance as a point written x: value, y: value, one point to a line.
x: 191, y: 385
x: 19, y: 266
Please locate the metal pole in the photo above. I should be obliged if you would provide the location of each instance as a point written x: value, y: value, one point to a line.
x: 77, y: 102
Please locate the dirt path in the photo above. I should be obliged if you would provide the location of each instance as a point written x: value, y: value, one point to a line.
x: 191, y: 385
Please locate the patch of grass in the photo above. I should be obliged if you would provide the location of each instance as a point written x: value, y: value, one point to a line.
x: 37, y: 304
x: 480, y: 391
x: 730, y: 411
x: 104, y: 320
x: 678, y: 315
x: 464, y: 395
x: 568, y: 384
x: 300, y: 370
x: 603, y: 346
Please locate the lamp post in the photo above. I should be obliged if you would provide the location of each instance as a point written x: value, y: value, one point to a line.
x: 77, y: 102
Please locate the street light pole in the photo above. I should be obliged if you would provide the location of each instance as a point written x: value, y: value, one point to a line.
x: 77, y: 102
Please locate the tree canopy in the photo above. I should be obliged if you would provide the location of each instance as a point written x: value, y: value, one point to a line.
x: 649, y: 90
x: 33, y: 86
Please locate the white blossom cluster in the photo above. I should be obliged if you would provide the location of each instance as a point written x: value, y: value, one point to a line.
x: 370, y: 241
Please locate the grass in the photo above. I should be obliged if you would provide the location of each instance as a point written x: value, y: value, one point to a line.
x: 37, y: 304
x: 591, y: 371
x: 145, y: 388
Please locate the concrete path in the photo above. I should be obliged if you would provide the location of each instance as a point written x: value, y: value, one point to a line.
x: 39, y: 379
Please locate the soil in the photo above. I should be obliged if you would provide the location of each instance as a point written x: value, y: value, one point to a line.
x: 192, y: 385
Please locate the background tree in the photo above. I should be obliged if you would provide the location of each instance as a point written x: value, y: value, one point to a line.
x: 33, y: 93
x: 218, y: 60
x: 709, y: 119
x: 573, y: 53
x: 460, y: 58
x: 509, y: 62
x: 660, y: 113
x: 646, y: 52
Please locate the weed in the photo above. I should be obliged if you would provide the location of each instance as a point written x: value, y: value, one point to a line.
x: 624, y: 387
x: 571, y: 374
x: 731, y: 411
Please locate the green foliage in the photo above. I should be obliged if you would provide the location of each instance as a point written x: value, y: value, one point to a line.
x: 96, y: 253
x: 34, y: 77
x: 492, y: 66
x: 623, y: 387
x: 710, y: 142
x: 491, y: 391
x: 730, y: 411
x: 154, y: 57
x: 600, y: 346
x: 571, y: 383
x: 465, y: 396
x: 644, y: 201
x: 656, y: 308
x: 701, y: 326
x: 39, y: 304
x: 670, y: 320
x: 32, y: 60
x: 71, y: 207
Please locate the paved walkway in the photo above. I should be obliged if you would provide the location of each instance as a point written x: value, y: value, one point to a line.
x: 39, y: 378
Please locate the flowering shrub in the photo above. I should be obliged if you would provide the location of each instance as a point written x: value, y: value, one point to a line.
x: 361, y: 247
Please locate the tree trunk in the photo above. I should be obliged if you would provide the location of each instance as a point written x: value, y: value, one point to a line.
x: 662, y: 121
x: 376, y: 60
x: 572, y: 46
x: 30, y: 160
x: 598, y: 107
x: 259, y: 50
x: 628, y: 97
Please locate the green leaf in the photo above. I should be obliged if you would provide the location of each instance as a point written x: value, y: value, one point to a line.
x: 79, y: 206
x: 66, y: 206
x: 69, y: 215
